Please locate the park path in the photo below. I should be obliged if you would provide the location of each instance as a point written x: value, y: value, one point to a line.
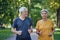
x: 33, y: 37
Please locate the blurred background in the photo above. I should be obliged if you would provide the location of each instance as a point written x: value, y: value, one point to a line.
x: 9, y: 11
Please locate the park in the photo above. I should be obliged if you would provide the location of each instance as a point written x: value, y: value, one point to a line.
x: 9, y: 11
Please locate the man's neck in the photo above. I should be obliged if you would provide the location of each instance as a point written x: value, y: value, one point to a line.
x: 22, y: 18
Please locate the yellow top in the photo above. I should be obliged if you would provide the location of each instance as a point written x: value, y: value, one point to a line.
x: 46, y: 28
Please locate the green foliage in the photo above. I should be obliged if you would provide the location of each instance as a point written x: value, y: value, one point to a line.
x: 57, y: 34
x: 5, y: 33
x: 9, y: 9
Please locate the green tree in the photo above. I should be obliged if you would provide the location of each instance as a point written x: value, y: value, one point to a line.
x: 9, y: 9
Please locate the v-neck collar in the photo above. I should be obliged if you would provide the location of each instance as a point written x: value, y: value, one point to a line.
x: 44, y: 21
x: 21, y: 19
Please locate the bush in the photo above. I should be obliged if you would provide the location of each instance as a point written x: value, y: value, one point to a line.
x: 5, y: 33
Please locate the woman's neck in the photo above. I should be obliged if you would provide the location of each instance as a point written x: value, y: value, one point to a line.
x: 44, y: 19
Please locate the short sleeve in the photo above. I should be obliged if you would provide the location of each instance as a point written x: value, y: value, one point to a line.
x: 14, y: 25
x: 31, y: 23
x: 37, y: 26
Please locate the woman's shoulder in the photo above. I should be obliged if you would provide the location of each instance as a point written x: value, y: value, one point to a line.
x: 49, y: 20
x: 39, y: 21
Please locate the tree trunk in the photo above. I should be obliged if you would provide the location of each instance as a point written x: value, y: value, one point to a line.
x: 58, y: 17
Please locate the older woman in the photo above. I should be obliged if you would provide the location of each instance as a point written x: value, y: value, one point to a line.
x: 45, y: 27
x: 22, y: 25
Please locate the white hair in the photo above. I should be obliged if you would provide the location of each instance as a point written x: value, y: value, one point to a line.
x: 44, y: 10
x: 22, y: 9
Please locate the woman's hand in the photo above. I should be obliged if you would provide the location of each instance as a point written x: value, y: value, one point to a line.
x: 39, y: 33
x: 50, y: 34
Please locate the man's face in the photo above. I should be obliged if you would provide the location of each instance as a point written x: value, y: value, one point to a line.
x: 25, y: 13
x: 44, y: 14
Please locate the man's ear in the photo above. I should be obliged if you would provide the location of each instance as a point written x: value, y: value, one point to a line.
x: 41, y: 14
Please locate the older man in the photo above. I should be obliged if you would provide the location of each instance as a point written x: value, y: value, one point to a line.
x: 22, y: 25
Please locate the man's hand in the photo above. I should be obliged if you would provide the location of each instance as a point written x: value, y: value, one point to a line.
x: 19, y: 32
x: 16, y: 32
x: 30, y: 30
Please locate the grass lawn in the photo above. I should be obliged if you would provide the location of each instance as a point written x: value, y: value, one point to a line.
x: 5, y: 33
x: 57, y: 35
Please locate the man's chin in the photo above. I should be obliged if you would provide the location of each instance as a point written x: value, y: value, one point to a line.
x: 44, y: 17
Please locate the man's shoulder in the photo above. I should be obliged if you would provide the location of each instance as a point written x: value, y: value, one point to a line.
x: 16, y: 19
x: 29, y: 18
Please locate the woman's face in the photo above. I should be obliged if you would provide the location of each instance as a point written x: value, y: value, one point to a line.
x: 44, y: 15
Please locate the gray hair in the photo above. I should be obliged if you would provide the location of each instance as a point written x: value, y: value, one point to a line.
x: 22, y: 9
x: 44, y: 10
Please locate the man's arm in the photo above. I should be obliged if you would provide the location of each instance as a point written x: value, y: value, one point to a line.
x: 30, y: 30
x: 14, y: 26
x: 16, y: 32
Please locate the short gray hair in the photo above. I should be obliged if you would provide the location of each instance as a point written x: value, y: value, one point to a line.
x: 22, y: 9
x: 44, y: 10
